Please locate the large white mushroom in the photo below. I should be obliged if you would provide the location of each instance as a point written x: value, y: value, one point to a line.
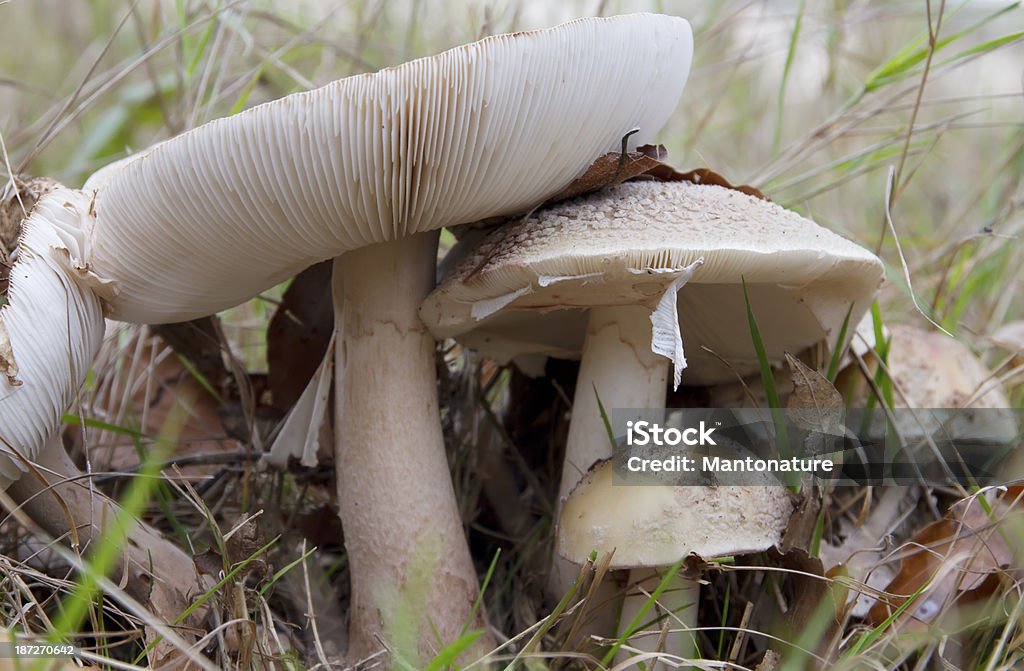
x: 363, y: 170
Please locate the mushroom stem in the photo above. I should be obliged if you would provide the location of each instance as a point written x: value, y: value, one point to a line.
x: 156, y: 571
x: 618, y: 364
x: 676, y: 608
x: 408, y: 557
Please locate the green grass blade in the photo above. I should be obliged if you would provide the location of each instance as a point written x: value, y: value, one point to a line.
x: 281, y: 572
x: 837, y: 349
x: 451, y: 652
x: 790, y: 54
x: 92, y: 423
x: 483, y: 588
x: 984, y: 47
x: 247, y: 91
x: 637, y: 622
x: 870, y: 637
x: 904, y: 63
x: 607, y: 422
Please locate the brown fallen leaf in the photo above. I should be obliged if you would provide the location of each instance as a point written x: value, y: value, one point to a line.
x: 321, y: 526
x: 611, y: 169
x: 815, y: 406
x: 647, y: 161
x: 615, y: 167
x: 961, y: 557
x: 819, y: 403
x: 706, y: 176
x: 298, y: 334
x: 802, y: 523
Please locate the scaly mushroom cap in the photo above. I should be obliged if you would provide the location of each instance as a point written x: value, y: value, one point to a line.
x: 625, y: 245
x: 655, y: 525
x: 210, y: 218
x: 50, y: 328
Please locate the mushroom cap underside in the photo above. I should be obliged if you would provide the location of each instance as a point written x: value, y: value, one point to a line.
x: 210, y: 218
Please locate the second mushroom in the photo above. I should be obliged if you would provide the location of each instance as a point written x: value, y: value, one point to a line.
x: 623, y: 254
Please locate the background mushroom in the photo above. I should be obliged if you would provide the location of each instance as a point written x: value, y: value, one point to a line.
x: 208, y: 219
x: 929, y: 371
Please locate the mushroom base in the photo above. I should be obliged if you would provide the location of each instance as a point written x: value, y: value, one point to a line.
x: 154, y: 571
x: 413, y: 580
x: 663, y: 627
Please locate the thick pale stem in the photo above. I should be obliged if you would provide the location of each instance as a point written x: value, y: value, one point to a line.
x: 413, y: 581
x: 155, y: 571
x: 618, y: 363
x: 675, y: 610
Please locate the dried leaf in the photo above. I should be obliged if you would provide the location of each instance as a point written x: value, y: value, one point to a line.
x: 800, y: 528
x: 321, y: 526
x: 958, y: 557
x: 815, y: 404
x: 704, y: 176
x: 298, y: 334
x: 646, y: 162
x: 610, y: 169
